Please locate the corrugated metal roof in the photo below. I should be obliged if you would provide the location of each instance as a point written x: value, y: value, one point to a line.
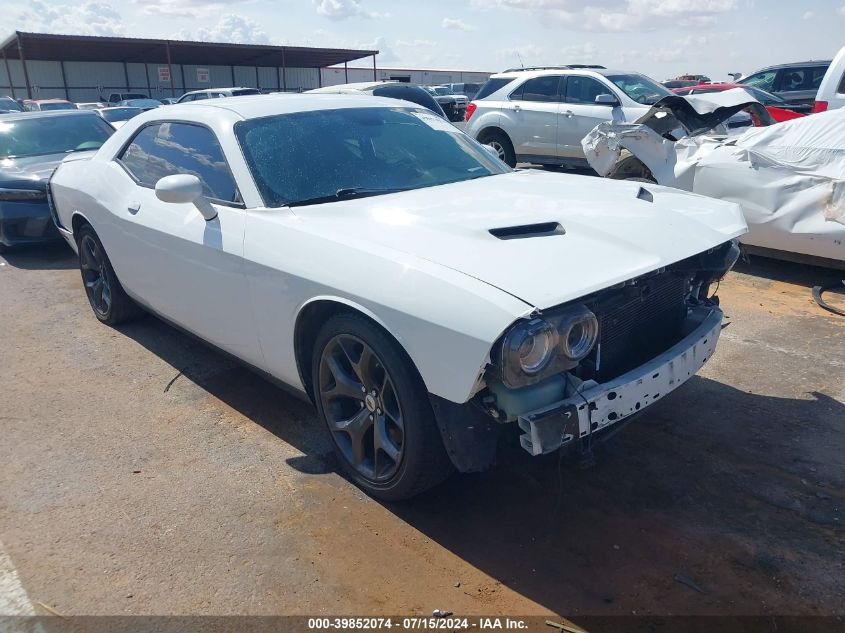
x: 90, y: 48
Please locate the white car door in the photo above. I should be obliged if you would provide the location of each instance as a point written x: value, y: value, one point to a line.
x: 580, y: 113
x: 187, y: 269
x: 533, y: 111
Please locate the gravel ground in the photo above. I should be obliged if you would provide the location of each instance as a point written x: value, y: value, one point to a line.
x: 143, y: 473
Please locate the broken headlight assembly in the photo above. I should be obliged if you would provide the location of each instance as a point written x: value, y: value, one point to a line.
x: 534, y: 350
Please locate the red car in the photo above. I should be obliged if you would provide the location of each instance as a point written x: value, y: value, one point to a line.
x: 777, y: 107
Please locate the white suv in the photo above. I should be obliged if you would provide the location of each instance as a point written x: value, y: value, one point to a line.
x: 831, y: 93
x: 216, y: 93
x: 540, y: 115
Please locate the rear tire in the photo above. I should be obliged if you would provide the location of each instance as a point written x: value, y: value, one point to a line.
x: 110, y: 303
x: 502, y: 144
x: 376, y: 409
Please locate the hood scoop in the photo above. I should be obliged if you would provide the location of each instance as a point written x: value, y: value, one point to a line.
x: 645, y: 195
x: 528, y: 230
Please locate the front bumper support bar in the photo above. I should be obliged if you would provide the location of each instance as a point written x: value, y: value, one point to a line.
x: 597, y: 406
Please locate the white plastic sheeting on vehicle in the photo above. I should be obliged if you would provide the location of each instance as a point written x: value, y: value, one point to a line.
x: 789, y: 178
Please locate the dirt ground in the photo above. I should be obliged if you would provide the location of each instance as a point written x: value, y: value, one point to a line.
x: 143, y: 473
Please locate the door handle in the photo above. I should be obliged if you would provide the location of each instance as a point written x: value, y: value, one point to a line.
x: 569, y: 114
x: 133, y: 207
x: 516, y: 108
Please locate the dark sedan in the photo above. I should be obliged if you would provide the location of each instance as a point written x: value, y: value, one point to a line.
x: 31, y: 146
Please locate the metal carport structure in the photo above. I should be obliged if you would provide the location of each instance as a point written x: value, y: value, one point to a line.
x: 24, y: 48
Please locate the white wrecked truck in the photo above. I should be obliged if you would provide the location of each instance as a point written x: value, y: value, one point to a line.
x: 789, y: 178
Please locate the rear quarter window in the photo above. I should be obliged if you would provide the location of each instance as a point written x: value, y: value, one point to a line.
x: 492, y: 86
x: 815, y: 76
x: 841, y: 88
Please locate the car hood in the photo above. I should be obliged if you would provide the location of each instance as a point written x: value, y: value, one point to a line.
x: 30, y: 171
x: 697, y: 114
x: 609, y: 231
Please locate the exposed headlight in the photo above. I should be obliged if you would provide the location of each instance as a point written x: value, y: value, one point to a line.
x: 536, y: 349
x: 530, y: 346
x: 578, y: 332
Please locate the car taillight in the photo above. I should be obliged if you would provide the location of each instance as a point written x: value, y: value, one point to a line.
x: 470, y: 110
x: 819, y: 106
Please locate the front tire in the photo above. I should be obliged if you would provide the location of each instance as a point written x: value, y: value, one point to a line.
x: 110, y: 303
x: 500, y: 142
x: 376, y: 409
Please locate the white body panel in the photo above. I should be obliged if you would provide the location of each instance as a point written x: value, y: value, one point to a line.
x: 789, y: 178
x: 421, y: 263
x: 832, y: 87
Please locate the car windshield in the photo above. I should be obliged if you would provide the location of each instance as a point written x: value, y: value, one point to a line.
x: 640, y: 88
x: 245, y: 91
x: 327, y: 155
x: 58, y: 105
x: 58, y: 134
x: 443, y: 91
x: 119, y: 114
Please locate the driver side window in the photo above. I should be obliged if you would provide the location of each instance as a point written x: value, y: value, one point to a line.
x: 165, y: 149
x: 584, y: 90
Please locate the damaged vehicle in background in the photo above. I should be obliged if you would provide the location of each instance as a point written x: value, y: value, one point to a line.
x: 424, y: 296
x: 779, y: 109
x: 788, y: 178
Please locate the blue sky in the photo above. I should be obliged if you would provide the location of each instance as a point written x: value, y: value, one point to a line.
x: 659, y: 37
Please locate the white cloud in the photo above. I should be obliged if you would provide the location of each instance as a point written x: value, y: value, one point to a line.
x: 89, y: 18
x: 841, y: 10
x: 618, y: 15
x: 809, y: 15
x: 344, y: 9
x: 232, y: 28
x: 182, y: 8
x: 527, y: 54
x: 458, y: 25
x: 418, y: 43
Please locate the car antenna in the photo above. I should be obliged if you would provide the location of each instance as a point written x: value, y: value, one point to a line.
x: 519, y: 57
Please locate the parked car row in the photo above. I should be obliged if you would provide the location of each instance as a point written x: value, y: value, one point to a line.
x: 817, y: 85
x: 540, y: 115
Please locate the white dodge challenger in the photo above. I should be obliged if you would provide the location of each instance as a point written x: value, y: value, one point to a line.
x: 424, y: 296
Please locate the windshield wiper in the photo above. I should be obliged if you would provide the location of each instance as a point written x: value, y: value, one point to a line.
x: 345, y: 193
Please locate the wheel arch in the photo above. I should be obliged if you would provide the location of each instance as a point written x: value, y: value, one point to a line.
x: 630, y: 166
x: 77, y: 221
x: 492, y: 129
x: 310, y: 318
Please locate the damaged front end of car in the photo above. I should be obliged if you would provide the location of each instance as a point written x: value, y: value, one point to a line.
x: 572, y: 370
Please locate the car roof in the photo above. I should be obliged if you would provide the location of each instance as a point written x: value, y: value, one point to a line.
x: 515, y: 73
x: 359, y: 85
x: 812, y: 62
x: 257, y: 106
x: 46, y: 114
x: 48, y: 100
